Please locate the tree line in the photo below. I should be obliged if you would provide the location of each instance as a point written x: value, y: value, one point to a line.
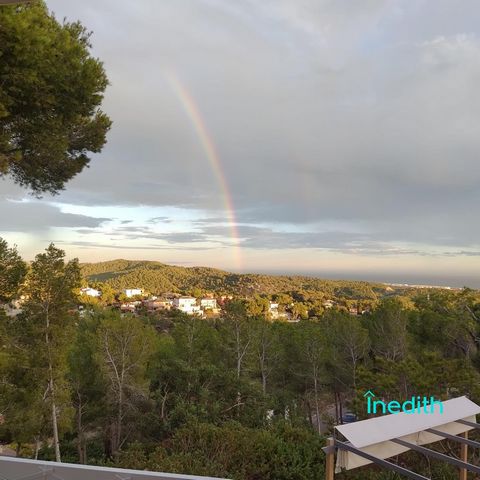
x: 308, y: 294
x: 238, y: 396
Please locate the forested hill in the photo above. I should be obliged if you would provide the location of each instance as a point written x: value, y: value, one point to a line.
x: 158, y: 277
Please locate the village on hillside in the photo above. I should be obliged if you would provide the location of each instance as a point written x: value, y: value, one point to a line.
x: 288, y: 306
x: 281, y: 306
x: 135, y: 301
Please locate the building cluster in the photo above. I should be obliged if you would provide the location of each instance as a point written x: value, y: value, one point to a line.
x: 206, y: 306
x: 135, y: 300
x: 203, y: 307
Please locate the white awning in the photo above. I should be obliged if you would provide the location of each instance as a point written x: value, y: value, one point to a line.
x: 19, y: 468
x: 373, y: 435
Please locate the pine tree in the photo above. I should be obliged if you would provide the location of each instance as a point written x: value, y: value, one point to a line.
x: 44, y: 331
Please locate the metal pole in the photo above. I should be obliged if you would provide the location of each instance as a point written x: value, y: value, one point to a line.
x: 470, y: 424
x: 455, y: 438
x: 438, y: 455
x: 380, y: 461
x: 463, y: 456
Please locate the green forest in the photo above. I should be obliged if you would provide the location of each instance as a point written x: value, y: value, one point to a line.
x: 307, y: 293
x: 238, y: 396
x: 156, y: 276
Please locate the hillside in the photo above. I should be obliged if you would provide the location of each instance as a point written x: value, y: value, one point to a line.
x: 157, y: 277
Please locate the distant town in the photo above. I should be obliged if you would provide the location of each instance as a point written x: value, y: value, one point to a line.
x: 408, y: 285
x: 136, y: 301
x: 282, y: 298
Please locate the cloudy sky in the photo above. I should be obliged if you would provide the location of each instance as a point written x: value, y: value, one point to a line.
x: 344, y: 136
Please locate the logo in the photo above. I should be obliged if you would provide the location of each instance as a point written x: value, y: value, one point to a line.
x: 416, y: 404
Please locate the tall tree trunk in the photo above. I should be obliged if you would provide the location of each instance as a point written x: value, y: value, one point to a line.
x: 317, y: 406
x: 340, y: 406
x: 56, y: 441
x: 335, y: 396
x: 309, y: 410
x: 107, y: 443
x: 81, y: 447
x: 118, y: 427
x: 37, y: 448
x: 240, y: 354
x: 264, y: 382
x: 355, y: 374
x: 163, y: 405
x: 263, y: 369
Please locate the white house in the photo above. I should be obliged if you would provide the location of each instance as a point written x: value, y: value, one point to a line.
x: 132, y: 292
x: 328, y: 304
x: 187, y: 305
x: 273, y: 310
x: 208, y: 303
x: 11, y: 311
x: 91, y: 292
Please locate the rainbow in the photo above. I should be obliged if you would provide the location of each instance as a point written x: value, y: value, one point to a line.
x: 193, y: 113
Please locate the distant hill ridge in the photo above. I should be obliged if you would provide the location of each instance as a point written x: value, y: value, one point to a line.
x: 159, y: 277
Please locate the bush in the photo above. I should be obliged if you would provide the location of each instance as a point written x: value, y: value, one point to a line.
x: 233, y: 451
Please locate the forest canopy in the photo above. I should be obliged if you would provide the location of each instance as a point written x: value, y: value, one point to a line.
x: 51, y: 89
x: 239, y: 396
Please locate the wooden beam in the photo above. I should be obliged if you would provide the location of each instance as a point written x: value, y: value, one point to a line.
x: 330, y: 459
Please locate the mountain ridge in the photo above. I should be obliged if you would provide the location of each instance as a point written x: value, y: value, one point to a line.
x: 160, y: 277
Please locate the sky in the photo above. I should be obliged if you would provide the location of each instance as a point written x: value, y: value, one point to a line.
x: 330, y: 138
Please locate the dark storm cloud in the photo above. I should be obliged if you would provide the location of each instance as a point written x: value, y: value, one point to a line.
x: 362, y: 112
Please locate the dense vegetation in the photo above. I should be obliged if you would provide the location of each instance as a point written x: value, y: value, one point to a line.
x: 237, y: 396
x: 308, y: 293
x: 51, y: 89
x: 156, y: 276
